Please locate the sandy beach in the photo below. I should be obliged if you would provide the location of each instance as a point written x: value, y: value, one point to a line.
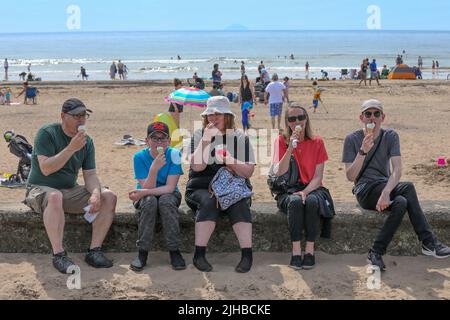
x: 418, y: 110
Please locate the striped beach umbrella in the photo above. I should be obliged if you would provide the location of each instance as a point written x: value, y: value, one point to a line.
x: 189, y: 97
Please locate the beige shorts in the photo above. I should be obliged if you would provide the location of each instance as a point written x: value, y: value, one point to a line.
x: 74, y: 200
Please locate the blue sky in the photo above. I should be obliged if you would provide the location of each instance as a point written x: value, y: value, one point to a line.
x: 142, y: 15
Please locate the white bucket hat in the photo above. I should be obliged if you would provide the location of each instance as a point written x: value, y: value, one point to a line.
x: 218, y: 104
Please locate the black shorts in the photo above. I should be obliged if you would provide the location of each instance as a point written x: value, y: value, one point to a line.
x: 179, y: 107
x: 205, y: 208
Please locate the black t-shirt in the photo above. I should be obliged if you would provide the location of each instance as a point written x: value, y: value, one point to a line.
x: 239, y: 147
x: 246, y: 94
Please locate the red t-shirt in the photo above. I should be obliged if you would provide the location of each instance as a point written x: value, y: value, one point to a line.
x: 308, y: 154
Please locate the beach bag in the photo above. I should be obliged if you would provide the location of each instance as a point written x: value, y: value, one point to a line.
x: 228, y: 188
x: 287, y: 183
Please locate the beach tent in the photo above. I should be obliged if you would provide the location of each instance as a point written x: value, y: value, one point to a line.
x: 402, y: 71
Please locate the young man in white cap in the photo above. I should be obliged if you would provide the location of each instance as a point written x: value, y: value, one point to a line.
x: 60, y: 151
x: 367, y: 156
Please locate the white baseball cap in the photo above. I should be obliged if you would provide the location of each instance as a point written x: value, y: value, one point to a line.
x: 372, y: 103
x: 218, y: 104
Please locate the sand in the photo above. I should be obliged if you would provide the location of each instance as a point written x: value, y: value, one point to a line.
x: 26, y: 276
x: 418, y: 110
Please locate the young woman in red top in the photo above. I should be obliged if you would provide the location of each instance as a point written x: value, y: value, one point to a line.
x: 302, y: 202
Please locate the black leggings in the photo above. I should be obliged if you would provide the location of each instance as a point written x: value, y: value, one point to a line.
x: 301, y: 216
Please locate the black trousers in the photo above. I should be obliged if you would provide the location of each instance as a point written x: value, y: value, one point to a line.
x: 404, y: 199
x: 301, y: 217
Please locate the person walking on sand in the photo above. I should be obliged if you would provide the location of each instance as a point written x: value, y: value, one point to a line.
x: 274, y: 95
x: 6, y: 66
x: 216, y: 75
x: 420, y: 62
x: 83, y: 73
x: 242, y: 68
x: 121, y: 70
x: 374, y: 72
x: 113, y: 71
x: 363, y: 72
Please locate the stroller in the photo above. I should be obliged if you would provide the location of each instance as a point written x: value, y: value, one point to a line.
x: 20, y: 147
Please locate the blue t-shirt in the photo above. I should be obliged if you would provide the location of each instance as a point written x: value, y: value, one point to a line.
x: 143, y: 161
x: 373, y: 67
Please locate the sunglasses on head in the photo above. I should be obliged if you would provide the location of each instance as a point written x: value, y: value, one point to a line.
x: 294, y: 118
x: 376, y: 114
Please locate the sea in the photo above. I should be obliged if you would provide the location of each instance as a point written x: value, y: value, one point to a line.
x: 179, y: 54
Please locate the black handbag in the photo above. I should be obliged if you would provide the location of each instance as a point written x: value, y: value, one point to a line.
x: 286, y: 183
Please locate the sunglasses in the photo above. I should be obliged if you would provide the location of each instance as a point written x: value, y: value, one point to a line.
x: 159, y: 139
x: 79, y: 116
x: 368, y: 114
x: 294, y: 118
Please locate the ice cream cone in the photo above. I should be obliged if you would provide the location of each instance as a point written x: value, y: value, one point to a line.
x: 370, y: 127
x: 160, y: 150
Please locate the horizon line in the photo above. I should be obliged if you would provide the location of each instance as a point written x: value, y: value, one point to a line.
x: 223, y: 30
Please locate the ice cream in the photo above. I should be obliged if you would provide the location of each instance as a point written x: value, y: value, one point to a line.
x: 370, y: 127
x: 298, y: 130
x: 82, y: 128
x: 160, y: 150
x: 220, y: 150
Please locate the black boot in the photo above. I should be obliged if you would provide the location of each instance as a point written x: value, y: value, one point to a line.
x: 140, y: 261
x: 200, y: 261
x: 246, y: 262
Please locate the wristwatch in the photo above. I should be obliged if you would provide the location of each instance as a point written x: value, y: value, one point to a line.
x: 361, y: 152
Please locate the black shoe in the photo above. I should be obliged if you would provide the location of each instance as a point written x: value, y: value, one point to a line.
x: 309, y: 261
x: 436, y: 249
x: 96, y: 258
x: 140, y: 261
x: 177, y: 261
x: 375, y: 259
x: 62, y: 262
x: 296, y: 262
x: 244, y: 265
x: 202, y: 264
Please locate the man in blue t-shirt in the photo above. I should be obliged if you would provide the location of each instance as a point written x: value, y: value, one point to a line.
x: 157, y: 170
x: 373, y: 72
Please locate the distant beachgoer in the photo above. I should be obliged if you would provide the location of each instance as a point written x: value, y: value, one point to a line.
x: 275, y: 94
x: 363, y: 72
x: 83, y: 73
x: 120, y: 67
x: 216, y: 75
x: 373, y: 72
x: 437, y: 64
x: 287, y: 84
x: 384, y: 72
x: 6, y: 66
x: 242, y: 68
x: 8, y: 96
x: 30, y: 93
x: 217, y: 90
x: 22, y: 75
x: 324, y: 75
x: 398, y: 60
x: 247, y: 100
x: 317, y: 97
x: 417, y: 72
x: 175, y: 109
x: 260, y: 67
x: 433, y: 66
x: 113, y: 71
x: 29, y: 67
x: 265, y: 77
x: 178, y: 57
x: 292, y: 56
x: 420, y: 62
x: 125, y: 72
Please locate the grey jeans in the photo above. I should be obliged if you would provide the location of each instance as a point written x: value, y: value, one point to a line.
x: 147, y: 210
